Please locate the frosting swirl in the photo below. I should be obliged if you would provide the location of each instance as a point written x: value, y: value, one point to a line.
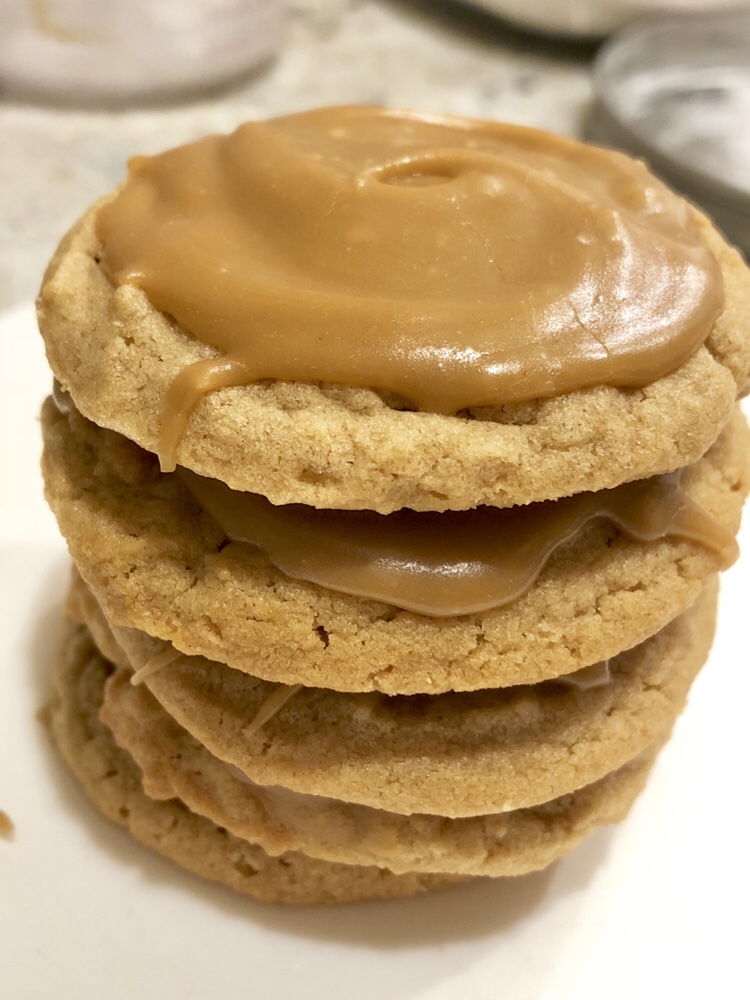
x: 455, y: 263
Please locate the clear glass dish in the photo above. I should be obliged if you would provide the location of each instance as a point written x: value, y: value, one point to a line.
x: 112, y: 51
x: 588, y: 18
x: 677, y: 92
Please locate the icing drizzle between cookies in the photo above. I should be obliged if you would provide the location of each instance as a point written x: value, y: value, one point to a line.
x: 455, y: 562
x: 441, y: 564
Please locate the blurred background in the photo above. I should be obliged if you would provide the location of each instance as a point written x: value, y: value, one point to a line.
x: 84, y: 84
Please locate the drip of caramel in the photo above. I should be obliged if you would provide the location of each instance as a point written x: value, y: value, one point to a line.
x: 452, y: 563
x: 270, y: 707
x: 165, y: 658
x: 455, y: 263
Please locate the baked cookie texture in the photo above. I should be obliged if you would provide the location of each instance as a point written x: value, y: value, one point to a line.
x: 176, y: 765
x: 303, y: 745
x: 496, y: 750
x: 330, y: 446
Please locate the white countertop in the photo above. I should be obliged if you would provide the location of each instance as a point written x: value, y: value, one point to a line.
x: 434, y: 56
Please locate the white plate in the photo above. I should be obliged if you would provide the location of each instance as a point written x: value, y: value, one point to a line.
x: 645, y: 909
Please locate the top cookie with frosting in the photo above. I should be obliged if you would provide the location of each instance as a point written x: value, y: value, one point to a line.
x: 367, y: 308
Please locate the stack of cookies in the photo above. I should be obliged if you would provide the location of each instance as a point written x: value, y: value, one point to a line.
x: 397, y: 457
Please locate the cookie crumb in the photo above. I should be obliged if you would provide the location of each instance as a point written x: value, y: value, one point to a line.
x: 6, y: 826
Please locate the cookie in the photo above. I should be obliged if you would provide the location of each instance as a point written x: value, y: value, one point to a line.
x: 454, y: 755
x: 158, y: 564
x: 112, y: 781
x: 331, y: 445
x: 175, y: 765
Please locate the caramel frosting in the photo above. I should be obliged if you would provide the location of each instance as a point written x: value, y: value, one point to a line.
x: 453, y: 263
x: 6, y: 826
x: 440, y: 564
x: 451, y: 563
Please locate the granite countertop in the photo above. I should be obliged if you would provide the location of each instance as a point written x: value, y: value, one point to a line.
x: 435, y: 56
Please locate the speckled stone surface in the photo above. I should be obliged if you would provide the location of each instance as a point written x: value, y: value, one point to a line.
x: 434, y: 56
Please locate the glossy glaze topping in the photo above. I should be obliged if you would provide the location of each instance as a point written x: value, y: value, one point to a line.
x: 451, y: 563
x: 455, y: 263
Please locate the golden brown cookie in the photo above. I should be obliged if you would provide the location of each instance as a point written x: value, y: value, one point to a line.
x: 158, y: 564
x: 331, y: 446
x: 175, y: 765
x: 453, y: 754
x: 111, y: 779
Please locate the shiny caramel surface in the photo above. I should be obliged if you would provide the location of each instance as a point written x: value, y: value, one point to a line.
x: 452, y: 563
x: 455, y: 263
